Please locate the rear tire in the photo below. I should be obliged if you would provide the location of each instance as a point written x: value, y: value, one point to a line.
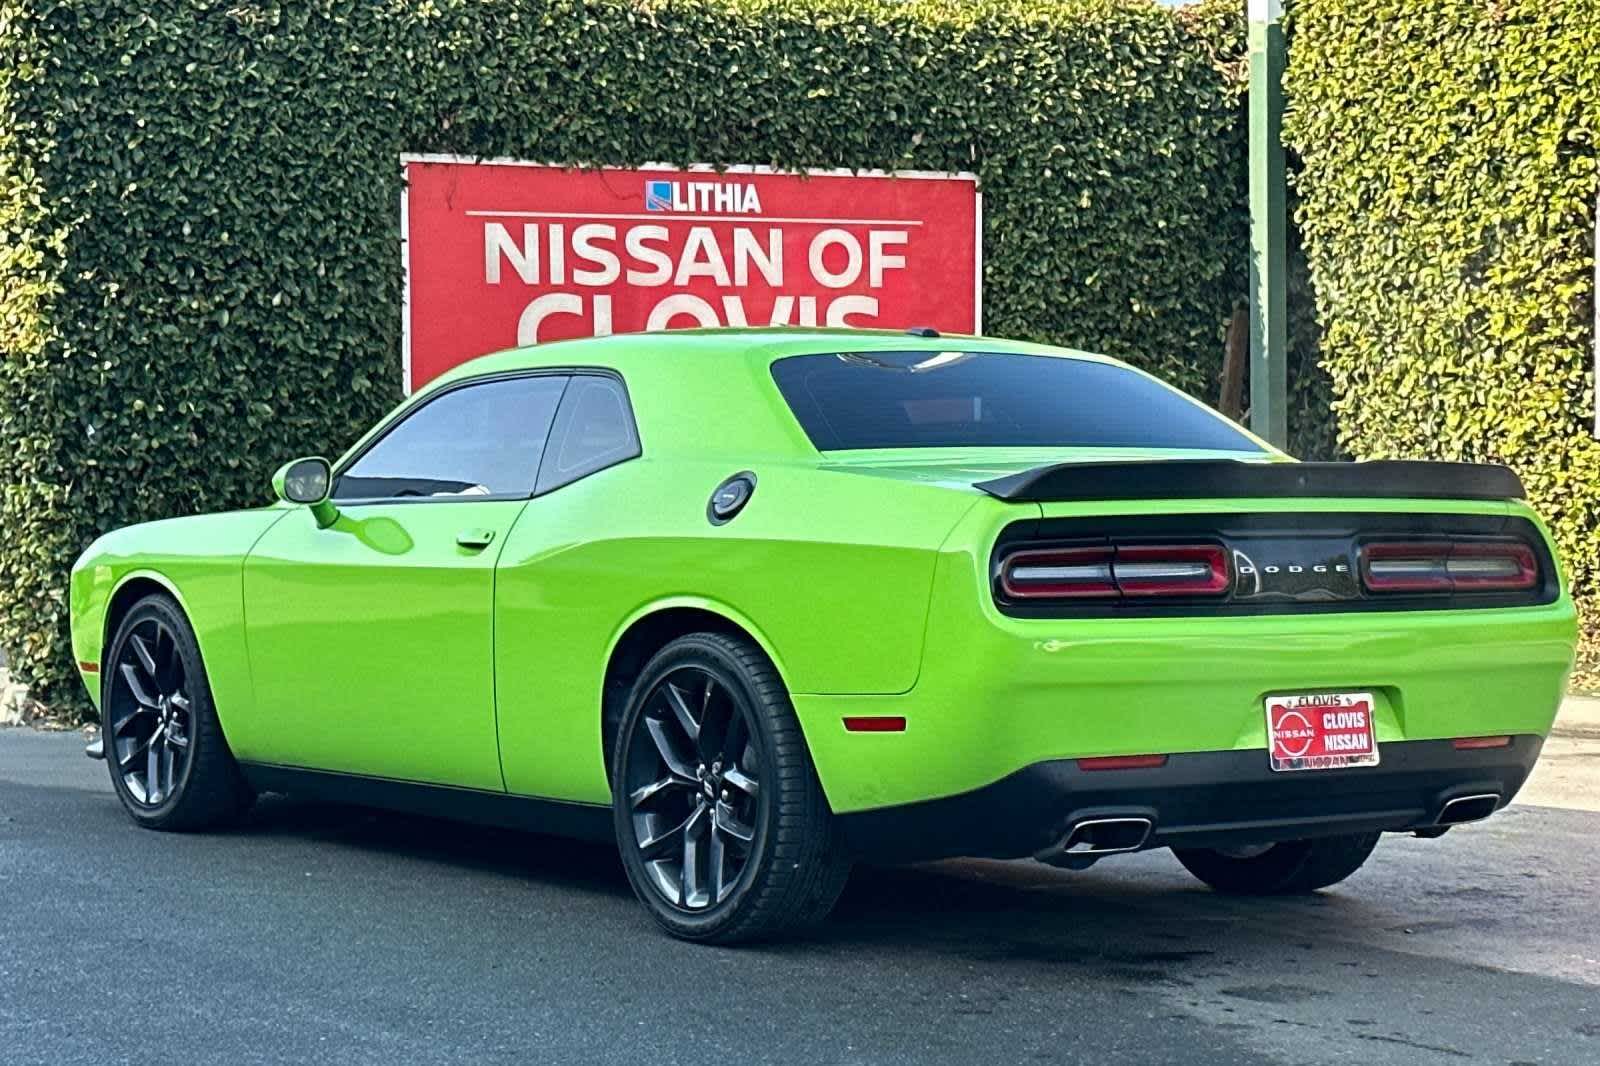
x: 170, y: 764
x: 724, y: 831
x: 1286, y: 868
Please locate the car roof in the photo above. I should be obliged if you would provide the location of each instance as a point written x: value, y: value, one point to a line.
x: 727, y: 405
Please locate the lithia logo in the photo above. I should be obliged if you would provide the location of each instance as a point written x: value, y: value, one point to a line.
x: 720, y: 197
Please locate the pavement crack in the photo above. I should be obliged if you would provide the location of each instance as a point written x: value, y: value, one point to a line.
x: 1403, y: 1042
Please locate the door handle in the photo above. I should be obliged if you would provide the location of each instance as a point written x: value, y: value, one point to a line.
x: 476, y: 539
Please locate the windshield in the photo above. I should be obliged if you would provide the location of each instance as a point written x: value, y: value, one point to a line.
x: 932, y: 399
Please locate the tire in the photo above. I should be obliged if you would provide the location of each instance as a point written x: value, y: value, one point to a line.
x: 681, y: 812
x: 154, y: 694
x: 1287, y: 868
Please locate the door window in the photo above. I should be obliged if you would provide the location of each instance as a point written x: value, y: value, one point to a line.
x: 475, y: 441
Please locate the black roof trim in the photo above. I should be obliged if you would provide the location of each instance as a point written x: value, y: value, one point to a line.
x: 1176, y: 479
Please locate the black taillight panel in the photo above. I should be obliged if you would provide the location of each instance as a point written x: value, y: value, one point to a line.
x: 1298, y: 562
x: 1448, y: 565
x: 1114, y: 571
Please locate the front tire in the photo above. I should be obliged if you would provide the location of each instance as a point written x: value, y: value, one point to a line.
x: 170, y: 764
x: 1286, y: 868
x: 723, y: 827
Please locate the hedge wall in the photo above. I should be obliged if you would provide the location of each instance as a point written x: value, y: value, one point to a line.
x: 1447, y: 198
x: 200, y: 265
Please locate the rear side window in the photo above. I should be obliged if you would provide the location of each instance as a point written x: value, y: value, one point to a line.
x: 593, y: 430
x: 483, y: 439
x: 931, y: 399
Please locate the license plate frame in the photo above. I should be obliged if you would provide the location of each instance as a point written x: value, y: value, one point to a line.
x: 1321, y: 731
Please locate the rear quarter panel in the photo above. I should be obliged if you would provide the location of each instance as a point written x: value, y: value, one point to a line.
x: 831, y: 572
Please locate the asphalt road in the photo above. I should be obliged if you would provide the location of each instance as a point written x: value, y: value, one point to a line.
x: 326, y: 934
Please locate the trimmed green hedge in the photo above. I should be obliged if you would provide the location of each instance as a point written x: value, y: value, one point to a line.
x: 200, y: 266
x: 1447, y: 198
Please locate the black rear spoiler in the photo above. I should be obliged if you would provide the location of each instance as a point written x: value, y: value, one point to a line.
x: 1179, y: 479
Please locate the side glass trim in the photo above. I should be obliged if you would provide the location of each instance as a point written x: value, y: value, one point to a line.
x: 562, y: 421
x: 405, y: 413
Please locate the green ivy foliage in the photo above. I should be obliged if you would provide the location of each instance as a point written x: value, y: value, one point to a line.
x: 1447, y: 199
x: 199, y: 246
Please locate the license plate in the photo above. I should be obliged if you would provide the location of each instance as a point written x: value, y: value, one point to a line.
x: 1321, y: 731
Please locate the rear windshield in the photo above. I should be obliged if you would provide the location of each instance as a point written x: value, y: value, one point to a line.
x: 985, y: 399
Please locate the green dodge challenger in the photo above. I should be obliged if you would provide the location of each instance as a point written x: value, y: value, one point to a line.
x: 759, y: 603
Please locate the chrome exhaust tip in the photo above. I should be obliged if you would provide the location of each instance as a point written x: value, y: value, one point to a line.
x: 1093, y: 837
x: 1474, y: 808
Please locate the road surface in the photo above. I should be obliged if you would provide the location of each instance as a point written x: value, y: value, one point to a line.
x: 327, y: 934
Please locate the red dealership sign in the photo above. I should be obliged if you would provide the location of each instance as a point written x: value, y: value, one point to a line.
x: 503, y: 253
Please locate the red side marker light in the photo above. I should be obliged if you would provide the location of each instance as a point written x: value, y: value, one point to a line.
x: 875, y: 723
x: 1123, y: 762
x: 88, y: 667
x: 1474, y: 743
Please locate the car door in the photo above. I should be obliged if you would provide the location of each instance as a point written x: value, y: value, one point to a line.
x: 570, y: 572
x: 371, y: 641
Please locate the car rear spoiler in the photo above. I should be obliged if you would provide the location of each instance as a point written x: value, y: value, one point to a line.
x: 1180, y: 479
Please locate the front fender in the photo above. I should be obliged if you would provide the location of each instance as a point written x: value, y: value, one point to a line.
x: 199, y: 561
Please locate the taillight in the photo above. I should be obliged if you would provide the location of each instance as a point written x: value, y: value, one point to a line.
x: 1067, y: 573
x: 1109, y: 572
x: 1189, y: 570
x: 1448, y: 566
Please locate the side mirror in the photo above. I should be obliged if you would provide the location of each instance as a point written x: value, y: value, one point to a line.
x: 308, y: 482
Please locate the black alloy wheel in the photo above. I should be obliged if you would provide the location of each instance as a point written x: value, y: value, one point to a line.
x: 695, y: 789
x: 724, y: 830
x: 169, y: 762
x: 150, y: 714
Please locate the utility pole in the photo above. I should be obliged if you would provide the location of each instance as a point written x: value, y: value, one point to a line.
x: 1269, y: 331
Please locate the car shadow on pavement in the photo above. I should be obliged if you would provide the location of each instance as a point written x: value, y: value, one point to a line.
x: 1136, y: 919
x: 488, y: 849
x: 1122, y: 920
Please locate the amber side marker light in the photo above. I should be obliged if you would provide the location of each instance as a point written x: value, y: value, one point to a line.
x: 1475, y: 743
x: 88, y: 667
x: 1123, y: 762
x: 886, y: 723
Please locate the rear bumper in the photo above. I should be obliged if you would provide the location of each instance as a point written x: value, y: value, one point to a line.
x: 1199, y: 799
